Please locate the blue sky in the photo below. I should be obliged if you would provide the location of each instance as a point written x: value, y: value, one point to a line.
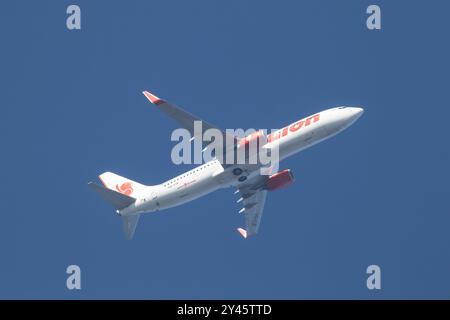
x: 71, y: 108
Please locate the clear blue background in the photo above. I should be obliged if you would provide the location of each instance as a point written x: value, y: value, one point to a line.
x: 71, y: 107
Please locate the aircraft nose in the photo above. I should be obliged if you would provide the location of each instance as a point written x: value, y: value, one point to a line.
x: 356, y: 112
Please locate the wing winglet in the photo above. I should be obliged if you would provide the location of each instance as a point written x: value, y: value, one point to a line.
x: 152, y: 98
x: 242, y: 232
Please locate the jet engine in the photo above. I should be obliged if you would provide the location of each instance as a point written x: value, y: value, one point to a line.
x: 280, y: 180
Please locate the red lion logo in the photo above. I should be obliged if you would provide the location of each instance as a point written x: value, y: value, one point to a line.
x: 126, y: 188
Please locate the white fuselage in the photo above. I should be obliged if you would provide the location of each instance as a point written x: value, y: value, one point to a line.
x: 212, y: 175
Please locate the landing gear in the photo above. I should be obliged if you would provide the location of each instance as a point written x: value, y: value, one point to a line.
x: 237, y: 171
x: 242, y: 179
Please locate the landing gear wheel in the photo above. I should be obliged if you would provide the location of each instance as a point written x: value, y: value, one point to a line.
x: 237, y: 171
x: 242, y: 179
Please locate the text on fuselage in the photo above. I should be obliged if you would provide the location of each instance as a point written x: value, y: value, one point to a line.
x: 293, y: 128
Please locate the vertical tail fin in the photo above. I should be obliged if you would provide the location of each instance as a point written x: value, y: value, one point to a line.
x: 119, y: 201
x: 121, y: 193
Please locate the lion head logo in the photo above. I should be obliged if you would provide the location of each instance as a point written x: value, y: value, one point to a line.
x: 126, y: 188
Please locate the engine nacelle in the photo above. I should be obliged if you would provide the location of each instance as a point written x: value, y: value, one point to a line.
x: 280, y: 180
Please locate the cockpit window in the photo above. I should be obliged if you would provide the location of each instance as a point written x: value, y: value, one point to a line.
x: 342, y: 107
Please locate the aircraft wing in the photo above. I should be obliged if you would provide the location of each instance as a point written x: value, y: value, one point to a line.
x: 186, y: 119
x: 253, y: 198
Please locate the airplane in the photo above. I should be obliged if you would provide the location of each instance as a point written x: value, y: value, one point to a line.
x: 131, y: 199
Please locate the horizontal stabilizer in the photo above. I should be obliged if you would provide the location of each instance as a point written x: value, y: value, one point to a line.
x: 117, y: 199
x: 129, y: 225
